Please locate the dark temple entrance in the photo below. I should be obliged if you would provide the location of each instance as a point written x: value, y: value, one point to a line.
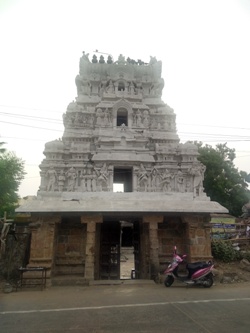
x: 110, y: 251
x: 119, y: 250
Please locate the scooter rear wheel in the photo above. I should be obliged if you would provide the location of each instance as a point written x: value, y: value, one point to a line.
x: 209, y: 281
x: 169, y: 281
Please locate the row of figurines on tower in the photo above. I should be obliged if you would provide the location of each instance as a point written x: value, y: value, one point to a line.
x: 118, y: 87
x: 90, y: 108
x: 146, y: 179
x: 105, y: 118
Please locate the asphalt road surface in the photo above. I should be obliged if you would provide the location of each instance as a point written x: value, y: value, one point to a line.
x: 145, y: 307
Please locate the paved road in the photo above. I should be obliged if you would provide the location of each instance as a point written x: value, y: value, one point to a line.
x: 127, y: 308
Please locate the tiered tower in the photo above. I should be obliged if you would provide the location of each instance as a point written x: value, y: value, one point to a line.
x: 118, y: 130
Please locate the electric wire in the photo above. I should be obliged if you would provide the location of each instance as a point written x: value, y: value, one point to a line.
x: 229, y: 136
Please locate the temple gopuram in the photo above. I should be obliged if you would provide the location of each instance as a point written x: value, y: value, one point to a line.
x: 119, y: 176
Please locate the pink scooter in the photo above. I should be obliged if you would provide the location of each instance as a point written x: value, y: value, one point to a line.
x: 199, y: 273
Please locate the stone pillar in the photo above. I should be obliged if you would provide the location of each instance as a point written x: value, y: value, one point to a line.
x: 198, y: 238
x: 43, y: 241
x: 111, y: 178
x: 154, y: 263
x: 90, y: 252
x: 135, y: 179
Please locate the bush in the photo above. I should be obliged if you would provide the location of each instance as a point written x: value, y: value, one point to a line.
x: 224, y: 251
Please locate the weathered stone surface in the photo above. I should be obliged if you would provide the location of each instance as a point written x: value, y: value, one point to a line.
x: 119, y: 120
x: 120, y: 202
x: 118, y: 130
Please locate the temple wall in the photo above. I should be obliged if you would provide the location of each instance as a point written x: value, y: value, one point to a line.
x: 43, y: 242
x: 70, y: 247
x: 171, y: 233
x: 198, y: 237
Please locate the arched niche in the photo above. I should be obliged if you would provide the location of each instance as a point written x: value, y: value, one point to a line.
x: 121, y: 85
x: 122, y: 113
x: 122, y: 117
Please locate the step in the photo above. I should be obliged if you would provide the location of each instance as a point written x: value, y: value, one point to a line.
x: 69, y: 280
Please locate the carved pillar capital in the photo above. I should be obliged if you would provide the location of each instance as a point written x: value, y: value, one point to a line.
x: 153, y: 219
x: 91, y: 218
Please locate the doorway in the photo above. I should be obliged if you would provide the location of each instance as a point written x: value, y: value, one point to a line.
x: 119, y: 250
x: 127, y: 258
x: 123, y: 177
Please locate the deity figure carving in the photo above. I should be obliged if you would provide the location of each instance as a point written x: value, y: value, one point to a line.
x: 52, y: 175
x: 91, y: 120
x: 131, y: 88
x: 145, y: 118
x: 166, y: 177
x: 143, y: 177
x: 86, y: 88
x: 83, y: 180
x: 197, y: 171
x: 102, y: 176
x: 138, y: 118
x: 123, y: 127
x: 71, y: 176
x: 154, y: 179
x: 61, y: 181
x: 110, y: 88
x: 89, y: 180
x: 180, y: 182
x: 153, y: 123
x: 99, y: 117
x: 102, y: 89
x: 84, y: 61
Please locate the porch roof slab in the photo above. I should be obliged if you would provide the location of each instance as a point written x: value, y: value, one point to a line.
x: 110, y: 202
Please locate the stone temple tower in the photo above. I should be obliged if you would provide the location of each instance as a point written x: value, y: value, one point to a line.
x: 118, y: 133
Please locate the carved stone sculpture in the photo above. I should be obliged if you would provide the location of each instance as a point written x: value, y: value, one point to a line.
x: 61, y: 181
x: 71, y: 176
x: 119, y: 119
x: 143, y: 178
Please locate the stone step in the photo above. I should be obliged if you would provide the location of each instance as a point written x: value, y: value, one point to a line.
x: 69, y: 280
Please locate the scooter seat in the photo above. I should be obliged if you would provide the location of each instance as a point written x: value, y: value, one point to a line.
x: 198, y: 265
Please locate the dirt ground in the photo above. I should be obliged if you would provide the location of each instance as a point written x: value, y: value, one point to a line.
x: 233, y: 272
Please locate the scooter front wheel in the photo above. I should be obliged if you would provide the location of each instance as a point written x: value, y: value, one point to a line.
x: 169, y: 281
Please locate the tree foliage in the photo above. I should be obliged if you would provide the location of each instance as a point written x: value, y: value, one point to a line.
x: 223, y: 182
x: 11, y: 175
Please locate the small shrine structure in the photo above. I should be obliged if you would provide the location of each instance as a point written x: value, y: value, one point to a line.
x: 118, y: 132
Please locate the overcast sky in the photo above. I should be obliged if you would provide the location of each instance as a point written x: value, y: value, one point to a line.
x: 204, y: 47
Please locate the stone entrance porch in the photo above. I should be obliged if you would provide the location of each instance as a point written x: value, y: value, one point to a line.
x: 73, y: 245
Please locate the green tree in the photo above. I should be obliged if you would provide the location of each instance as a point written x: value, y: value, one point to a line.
x: 223, y: 182
x: 11, y: 175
